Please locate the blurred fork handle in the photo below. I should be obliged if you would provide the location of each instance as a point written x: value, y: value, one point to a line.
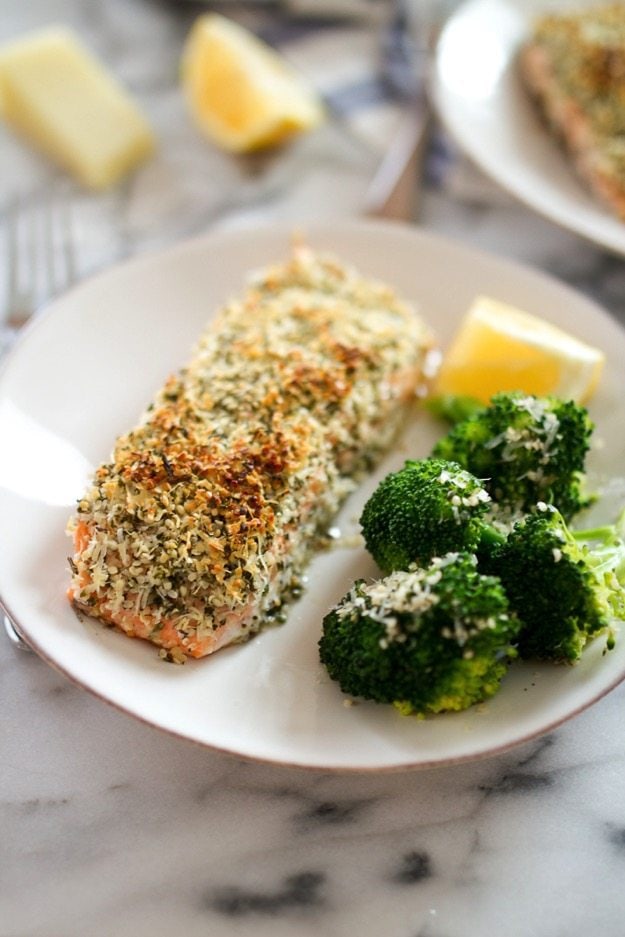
x: 395, y: 190
x: 405, y: 44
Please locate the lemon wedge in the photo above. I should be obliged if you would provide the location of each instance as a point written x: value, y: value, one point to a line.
x: 240, y: 92
x: 499, y: 348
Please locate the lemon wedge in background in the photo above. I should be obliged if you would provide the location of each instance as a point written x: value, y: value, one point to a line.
x: 241, y: 93
x: 498, y: 348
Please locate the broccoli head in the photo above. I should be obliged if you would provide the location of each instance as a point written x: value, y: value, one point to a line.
x: 427, y: 640
x: 563, y: 586
x: 529, y: 449
x: 428, y: 508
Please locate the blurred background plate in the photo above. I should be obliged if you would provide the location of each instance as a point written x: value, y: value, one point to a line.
x: 479, y: 97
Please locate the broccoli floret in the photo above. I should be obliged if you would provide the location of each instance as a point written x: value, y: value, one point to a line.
x: 529, y: 449
x: 428, y: 508
x: 563, y: 586
x: 428, y: 640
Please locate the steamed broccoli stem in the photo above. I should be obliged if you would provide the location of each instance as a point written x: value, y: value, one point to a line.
x: 564, y: 590
x: 427, y: 640
x: 428, y: 508
x: 527, y: 448
x: 604, y: 533
x: 606, y: 553
x: 490, y: 539
x: 608, y: 546
x: 453, y: 408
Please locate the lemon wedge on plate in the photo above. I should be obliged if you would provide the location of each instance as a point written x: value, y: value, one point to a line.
x: 499, y: 348
x: 241, y: 93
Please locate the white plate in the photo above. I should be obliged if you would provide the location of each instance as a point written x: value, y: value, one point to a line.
x: 480, y: 98
x: 84, y: 372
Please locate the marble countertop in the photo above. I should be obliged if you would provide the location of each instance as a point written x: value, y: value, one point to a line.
x: 111, y: 828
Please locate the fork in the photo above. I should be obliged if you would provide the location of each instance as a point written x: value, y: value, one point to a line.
x: 40, y: 257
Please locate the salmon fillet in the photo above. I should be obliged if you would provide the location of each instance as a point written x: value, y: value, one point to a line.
x: 574, y: 67
x: 196, y: 532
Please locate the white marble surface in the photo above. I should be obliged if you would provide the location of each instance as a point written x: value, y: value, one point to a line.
x: 111, y: 828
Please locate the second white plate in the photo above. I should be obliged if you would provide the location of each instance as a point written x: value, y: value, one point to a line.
x: 479, y: 97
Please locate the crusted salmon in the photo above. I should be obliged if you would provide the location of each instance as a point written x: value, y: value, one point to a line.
x: 574, y: 66
x: 195, y: 533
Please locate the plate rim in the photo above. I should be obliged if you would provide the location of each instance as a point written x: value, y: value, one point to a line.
x: 429, y: 765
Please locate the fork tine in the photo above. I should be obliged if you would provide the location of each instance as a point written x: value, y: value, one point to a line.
x: 11, y: 248
x: 20, y: 262
x: 67, y: 241
x: 31, y: 275
x: 48, y: 242
x: 59, y: 243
